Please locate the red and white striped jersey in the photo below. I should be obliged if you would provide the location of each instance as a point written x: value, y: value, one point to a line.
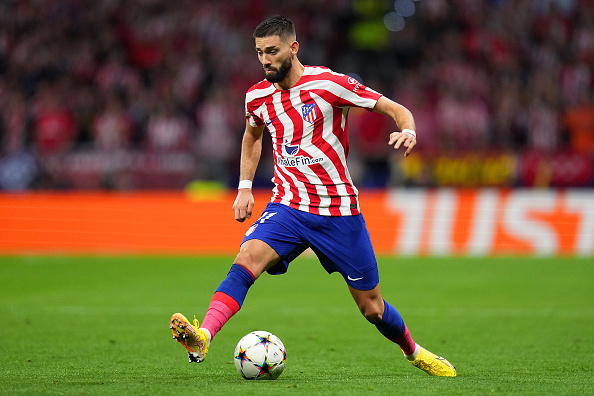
x: 308, y: 125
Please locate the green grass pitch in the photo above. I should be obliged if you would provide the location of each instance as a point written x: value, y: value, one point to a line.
x: 99, y: 326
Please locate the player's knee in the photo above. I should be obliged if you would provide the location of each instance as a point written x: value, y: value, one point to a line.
x: 256, y: 256
x: 372, y: 312
x: 249, y: 261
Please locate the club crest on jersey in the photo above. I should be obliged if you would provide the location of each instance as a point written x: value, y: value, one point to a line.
x: 310, y: 112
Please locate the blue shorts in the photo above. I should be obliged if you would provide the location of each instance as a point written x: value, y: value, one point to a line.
x: 341, y: 243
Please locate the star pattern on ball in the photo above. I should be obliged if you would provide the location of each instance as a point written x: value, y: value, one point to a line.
x: 265, y: 368
x: 265, y: 340
x: 242, y: 356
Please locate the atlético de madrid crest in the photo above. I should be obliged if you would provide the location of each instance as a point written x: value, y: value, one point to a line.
x: 310, y: 112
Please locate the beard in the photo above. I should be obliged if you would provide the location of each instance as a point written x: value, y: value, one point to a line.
x: 280, y: 74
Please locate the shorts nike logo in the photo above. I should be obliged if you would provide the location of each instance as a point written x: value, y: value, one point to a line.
x: 354, y: 279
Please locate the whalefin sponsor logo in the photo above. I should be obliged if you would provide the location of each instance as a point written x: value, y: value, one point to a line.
x: 298, y: 161
x: 291, y: 150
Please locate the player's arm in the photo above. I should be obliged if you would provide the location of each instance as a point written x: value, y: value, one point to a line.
x: 403, y: 119
x: 251, y: 150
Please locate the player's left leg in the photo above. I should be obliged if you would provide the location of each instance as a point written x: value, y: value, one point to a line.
x: 389, y: 322
x: 385, y: 317
x: 350, y: 252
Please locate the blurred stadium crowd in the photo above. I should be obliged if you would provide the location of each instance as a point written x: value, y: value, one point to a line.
x: 143, y: 94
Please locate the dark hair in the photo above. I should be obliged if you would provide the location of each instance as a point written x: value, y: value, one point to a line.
x: 276, y: 25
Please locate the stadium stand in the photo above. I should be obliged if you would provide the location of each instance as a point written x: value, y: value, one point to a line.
x: 130, y: 95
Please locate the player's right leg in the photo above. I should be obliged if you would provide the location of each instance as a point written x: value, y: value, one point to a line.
x: 254, y: 257
x: 193, y: 338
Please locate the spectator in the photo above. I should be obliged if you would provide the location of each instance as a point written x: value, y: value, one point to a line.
x: 216, y: 141
x: 18, y: 167
x: 579, y: 120
x: 112, y: 127
x: 54, y: 125
x: 168, y: 129
x: 464, y: 122
x: 116, y: 76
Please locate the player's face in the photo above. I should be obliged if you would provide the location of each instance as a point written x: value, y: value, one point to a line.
x: 276, y: 57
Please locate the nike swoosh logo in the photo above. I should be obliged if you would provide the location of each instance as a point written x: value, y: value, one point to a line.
x: 270, y: 122
x: 354, y: 279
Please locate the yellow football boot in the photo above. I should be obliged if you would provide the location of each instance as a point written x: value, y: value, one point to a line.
x: 194, y: 339
x: 433, y: 364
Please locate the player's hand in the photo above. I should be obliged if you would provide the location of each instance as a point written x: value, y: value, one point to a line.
x: 244, y: 204
x: 405, y: 139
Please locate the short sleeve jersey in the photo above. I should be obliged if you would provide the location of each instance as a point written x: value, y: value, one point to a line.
x: 308, y: 126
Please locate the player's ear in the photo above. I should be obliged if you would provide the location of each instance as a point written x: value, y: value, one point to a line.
x: 294, y: 48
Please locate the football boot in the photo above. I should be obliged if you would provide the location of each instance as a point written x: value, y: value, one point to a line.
x: 194, y: 339
x: 433, y: 364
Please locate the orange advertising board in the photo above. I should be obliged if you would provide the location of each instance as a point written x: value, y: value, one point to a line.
x: 400, y: 221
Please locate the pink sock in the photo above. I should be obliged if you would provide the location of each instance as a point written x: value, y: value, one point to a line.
x: 222, y: 308
x: 405, y: 342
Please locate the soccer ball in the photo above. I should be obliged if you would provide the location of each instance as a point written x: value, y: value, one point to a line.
x: 260, y: 355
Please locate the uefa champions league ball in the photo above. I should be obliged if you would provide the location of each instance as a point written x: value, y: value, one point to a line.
x: 260, y: 355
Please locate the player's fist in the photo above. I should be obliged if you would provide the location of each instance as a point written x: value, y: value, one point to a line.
x: 244, y: 204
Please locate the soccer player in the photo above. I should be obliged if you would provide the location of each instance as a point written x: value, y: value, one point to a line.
x: 314, y: 202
